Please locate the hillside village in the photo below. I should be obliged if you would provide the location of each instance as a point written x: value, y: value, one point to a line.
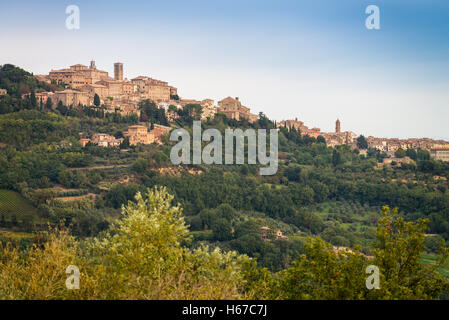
x: 226, y: 158
x: 77, y: 145
x: 120, y: 95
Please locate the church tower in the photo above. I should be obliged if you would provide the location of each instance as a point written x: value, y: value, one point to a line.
x: 118, y: 71
x: 337, y: 126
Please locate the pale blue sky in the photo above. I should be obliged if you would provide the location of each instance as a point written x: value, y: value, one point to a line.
x: 314, y: 60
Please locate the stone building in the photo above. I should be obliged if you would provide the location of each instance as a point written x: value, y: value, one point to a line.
x: 69, y: 77
x: 84, y: 142
x: 128, y: 88
x: 158, y: 131
x: 78, y: 75
x: 153, y: 89
x: 41, y: 97
x: 105, y: 140
x: 115, y: 88
x: 298, y: 125
x: 233, y: 109
x: 72, y: 98
x: 102, y: 140
x: 173, y: 91
x: 94, y: 81
x: 118, y: 71
x: 42, y: 78
x: 394, y: 162
x: 123, y: 105
x: 301, y: 127
x: 158, y: 92
x: 332, y: 138
x: 440, y: 154
x: 209, y: 109
x: 184, y: 102
x: 99, y: 89
x: 269, y: 234
x: 139, y: 134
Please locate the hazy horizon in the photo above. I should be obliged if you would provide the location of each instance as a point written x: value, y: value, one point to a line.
x: 316, y: 62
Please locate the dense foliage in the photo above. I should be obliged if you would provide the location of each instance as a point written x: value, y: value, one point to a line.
x: 143, y: 256
x: 320, y: 197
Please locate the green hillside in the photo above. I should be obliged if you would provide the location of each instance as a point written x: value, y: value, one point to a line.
x: 13, y: 204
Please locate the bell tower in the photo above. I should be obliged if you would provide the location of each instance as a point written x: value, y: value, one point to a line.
x: 118, y: 71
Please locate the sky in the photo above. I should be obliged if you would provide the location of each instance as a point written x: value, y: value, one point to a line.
x: 311, y: 60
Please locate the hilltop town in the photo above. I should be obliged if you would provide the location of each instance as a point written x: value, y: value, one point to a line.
x: 76, y: 145
x: 120, y: 95
x: 439, y: 149
x: 88, y: 86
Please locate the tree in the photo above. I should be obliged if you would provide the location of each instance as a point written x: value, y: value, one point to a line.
x: 320, y: 139
x: 362, y: 143
x: 141, y: 257
x: 221, y: 230
x: 400, y: 153
x: 293, y: 173
x: 191, y: 112
x: 48, y: 104
x: 62, y: 108
x: 125, y: 143
x: 33, y: 100
x: 411, y: 153
x: 140, y: 166
x: 323, y: 273
x: 400, y: 245
x: 336, y: 158
x: 423, y: 154
x: 145, y: 249
x: 96, y: 100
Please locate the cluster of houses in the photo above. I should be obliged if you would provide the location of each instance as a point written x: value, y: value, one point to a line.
x: 332, y: 138
x: 439, y: 149
x: 137, y: 134
x: 120, y: 95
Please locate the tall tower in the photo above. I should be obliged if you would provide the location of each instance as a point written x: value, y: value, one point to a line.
x: 337, y: 126
x: 92, y: 64
x: 118, y: 71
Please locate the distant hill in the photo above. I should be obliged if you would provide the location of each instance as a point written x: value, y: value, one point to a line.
x: 17, y: 81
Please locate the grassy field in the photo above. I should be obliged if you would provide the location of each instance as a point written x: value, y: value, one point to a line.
x: 430, y: 259
x: 12, y: 203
